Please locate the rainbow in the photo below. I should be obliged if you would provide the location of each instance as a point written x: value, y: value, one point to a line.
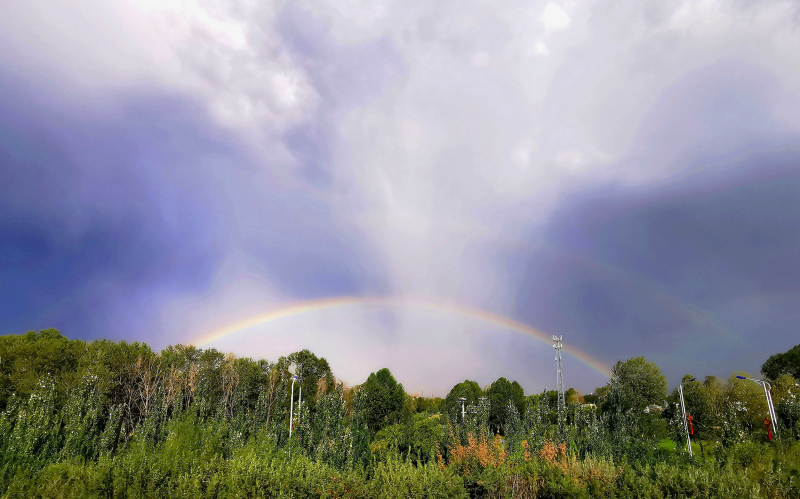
x: 424, y: 304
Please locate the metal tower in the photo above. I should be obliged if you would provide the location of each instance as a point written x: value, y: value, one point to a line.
x: 560, y: 379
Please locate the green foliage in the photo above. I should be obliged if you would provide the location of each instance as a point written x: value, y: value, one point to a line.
x: 591, y: 399
x: 417, y: 440
x: 311, y: 370
x: 26, y: 359
x: 635, y: 384
x: 106, y: 419
x: 381, y: 401
x: 430, y: 405
x: 467, y: 389
x: 500, y: 393
x: 783, y: 363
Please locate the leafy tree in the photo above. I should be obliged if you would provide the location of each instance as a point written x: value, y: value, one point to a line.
x: 551, y: 398
x: 602, y: 394
x: 381, y: 401
x: 635, y: 384
x: 573, y: 396
x: 430, y: 405
x: 25, y: 359
x: 418, y: 439
x: 468, y: 389
x: 312, y: 370
x: 786, y: 393
x: 783, y: 363
x: 745, y: 403
x: 500, y: 393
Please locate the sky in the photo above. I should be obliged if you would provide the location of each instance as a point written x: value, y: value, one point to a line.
x: 433, y: 187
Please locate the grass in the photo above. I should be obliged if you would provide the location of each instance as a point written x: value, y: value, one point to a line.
x: 667, y: 444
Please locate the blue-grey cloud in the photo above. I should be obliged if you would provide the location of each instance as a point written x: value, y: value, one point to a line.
x: 683, y: 270
x: 344, y: 76
x: 103, y: 221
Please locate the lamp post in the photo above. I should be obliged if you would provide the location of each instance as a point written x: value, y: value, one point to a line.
x: 291, y: 405
x: 683, y: 412
x: 768, y: 394
x: 463, y: 400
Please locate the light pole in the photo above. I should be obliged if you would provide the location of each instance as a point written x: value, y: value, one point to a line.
x: 768, y: 394
x: 685, y: 425
x: 463, y: 400
x: 291, y: 405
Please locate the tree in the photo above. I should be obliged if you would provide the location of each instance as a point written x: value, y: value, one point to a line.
x: 467, y: 389
x: 783, y: 363
x: 381, y: 401
x: 635, y: 384
x: 574, y: 396
x: 26, y: 359
x: 311, y: 370
x: 500, y: 393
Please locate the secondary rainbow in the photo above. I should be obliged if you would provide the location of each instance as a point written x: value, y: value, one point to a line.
x: 298, y: 308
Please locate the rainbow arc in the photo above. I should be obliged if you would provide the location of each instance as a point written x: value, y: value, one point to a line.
x: 435, y: 305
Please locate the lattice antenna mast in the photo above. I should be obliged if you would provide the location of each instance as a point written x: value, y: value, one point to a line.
x: 560, y: 377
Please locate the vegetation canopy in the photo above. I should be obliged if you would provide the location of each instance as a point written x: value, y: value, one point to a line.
x: 116, y: 419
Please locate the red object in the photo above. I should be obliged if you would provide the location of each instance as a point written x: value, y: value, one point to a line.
x: 768, y: 423
x: 689, y: 418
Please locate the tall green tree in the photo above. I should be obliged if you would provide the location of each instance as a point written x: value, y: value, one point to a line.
x: 312, y: 370
x: 27, y: 358
x: 635, y: 383
x: 500, y: 393
x: 381, y: 401
x: 783, y: 363
x: 468, y: 389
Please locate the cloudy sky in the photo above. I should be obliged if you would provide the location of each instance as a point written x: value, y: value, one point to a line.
x: 625, y: 174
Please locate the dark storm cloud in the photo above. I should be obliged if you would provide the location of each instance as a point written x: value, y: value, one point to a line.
x: 103, y: 220
x: 699, y: 271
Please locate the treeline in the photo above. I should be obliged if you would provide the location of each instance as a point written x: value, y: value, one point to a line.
x: 116, y: 419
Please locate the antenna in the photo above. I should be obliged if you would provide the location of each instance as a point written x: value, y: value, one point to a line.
x: 559, y: 378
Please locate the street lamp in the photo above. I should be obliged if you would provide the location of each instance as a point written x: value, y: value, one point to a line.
x: 768, y: 394
x: 463, y: 400
x: 685, y: 425
x: 291, y: 404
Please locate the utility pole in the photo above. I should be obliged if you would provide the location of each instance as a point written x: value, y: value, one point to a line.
x: 560, y: 378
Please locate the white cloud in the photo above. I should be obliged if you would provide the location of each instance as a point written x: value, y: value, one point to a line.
x: 225, y: 55
x: 554, y: 17
x: 481, y: 59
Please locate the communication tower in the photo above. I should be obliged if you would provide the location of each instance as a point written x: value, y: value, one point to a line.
x: 560, y: 378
